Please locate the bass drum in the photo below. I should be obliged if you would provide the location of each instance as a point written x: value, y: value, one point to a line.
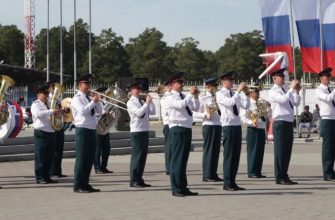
x: 7, y: 128
x: 18, y: 120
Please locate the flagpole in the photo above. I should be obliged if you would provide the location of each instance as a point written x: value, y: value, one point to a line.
x: 293, y: 54
x: 74, y: 46
x: 61, y: 43
x: 48, y: 9
x: 89, y: 40
x: 293, y: 44
x: 321, y: 35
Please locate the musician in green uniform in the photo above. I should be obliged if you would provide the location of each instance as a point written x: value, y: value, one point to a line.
x: 256, y: 134
x: 103, y: 147
x: 56, y: 168
x: 85, y: 106
x: 44, y: 136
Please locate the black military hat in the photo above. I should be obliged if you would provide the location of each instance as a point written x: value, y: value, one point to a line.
x: 178, y: 77
x: 136, y: 85
x: 279, y: 72
x: 228, y: 75
x: 255, y: 87
x: 325, y: 72
x: 85, y: 78
x: 101, y: 89
x: 211, y: 81
x: 42, y: 89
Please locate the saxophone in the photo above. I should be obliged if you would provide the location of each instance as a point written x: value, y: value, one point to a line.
x: 56, y: 121
x: 213, y: 106
x: 6, y: 82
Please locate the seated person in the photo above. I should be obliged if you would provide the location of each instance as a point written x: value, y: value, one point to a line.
x: 306, y: 118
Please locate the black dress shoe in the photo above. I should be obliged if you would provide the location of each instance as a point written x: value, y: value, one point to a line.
x: 167, y: 173
x: 177, y: 194
x: 82, y: 191
x: 329, y: 178
x: 252, y: 176
x: 136, y: 185
x: 145, y: 185
x: 59, y: 176
x: 189, y: 193
x: 52, y: 181
x: 256, y: 176
x: 218, y: 179
x: 238, y: 188
x: 205, y: 179
x: 286, y: 182
x: 106, y: 171
x: 91, y: 189
x: 229, y: 188
x: 99, y: 172
x: 261, y: 176
x: 42, y: 182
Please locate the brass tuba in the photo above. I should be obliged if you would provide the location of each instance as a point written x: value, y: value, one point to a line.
x: 56, y: 121
x: 6, y: 82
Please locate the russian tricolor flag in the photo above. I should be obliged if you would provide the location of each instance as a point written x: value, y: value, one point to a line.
x: 328, y: 33
x: 308, y: 24
x: 276, y: 27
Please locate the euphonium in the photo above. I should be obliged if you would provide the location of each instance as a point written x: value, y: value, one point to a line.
x: 112, y: 110
x: 6, y: 82
x: 56, y: 121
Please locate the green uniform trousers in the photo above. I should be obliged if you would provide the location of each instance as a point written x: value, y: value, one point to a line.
x: 44, y: 146
x: 327, y: 128
x: 58, y: 156
x: 166, y: 148
x: 232, y: 140
x: 283, y: 141
x: 85, y: 149
x: 139, y: 143
x: 211, y: 150
x: 255, y: 150
x: 102, y: 152
x: 180, y: 144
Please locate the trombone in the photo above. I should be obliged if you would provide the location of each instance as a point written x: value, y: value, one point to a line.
x: 110, y: 98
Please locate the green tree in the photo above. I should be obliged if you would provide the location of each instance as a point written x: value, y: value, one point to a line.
x: 11, y: 45
x: 241, y: 53
x: 212, y: 65
x: 109, y: 58
x: 190, y: 59
x: 147, y: 54
x: 54, y: 50
x: 82, y: 46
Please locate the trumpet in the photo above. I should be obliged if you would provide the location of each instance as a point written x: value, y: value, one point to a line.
x: 143, y: 95
x: 108, y: 99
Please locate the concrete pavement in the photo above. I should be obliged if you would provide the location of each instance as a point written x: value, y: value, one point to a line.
x: 313, y: 198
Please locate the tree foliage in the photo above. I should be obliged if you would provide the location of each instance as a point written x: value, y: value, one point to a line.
x: 146, y: 55
x: 241, y: 53
x: 11, y: 45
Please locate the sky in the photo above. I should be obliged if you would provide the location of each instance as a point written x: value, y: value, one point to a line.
x: 208, y: 21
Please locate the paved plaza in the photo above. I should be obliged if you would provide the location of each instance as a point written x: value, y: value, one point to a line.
x: 21, y: 198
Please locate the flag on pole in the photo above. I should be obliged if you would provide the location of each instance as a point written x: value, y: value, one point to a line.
x: 328, y: 33
x: 276, y: 27
x: 307, y: 18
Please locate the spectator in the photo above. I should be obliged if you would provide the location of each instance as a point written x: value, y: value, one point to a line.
x: 316, y: 118
x: 306, y: 119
